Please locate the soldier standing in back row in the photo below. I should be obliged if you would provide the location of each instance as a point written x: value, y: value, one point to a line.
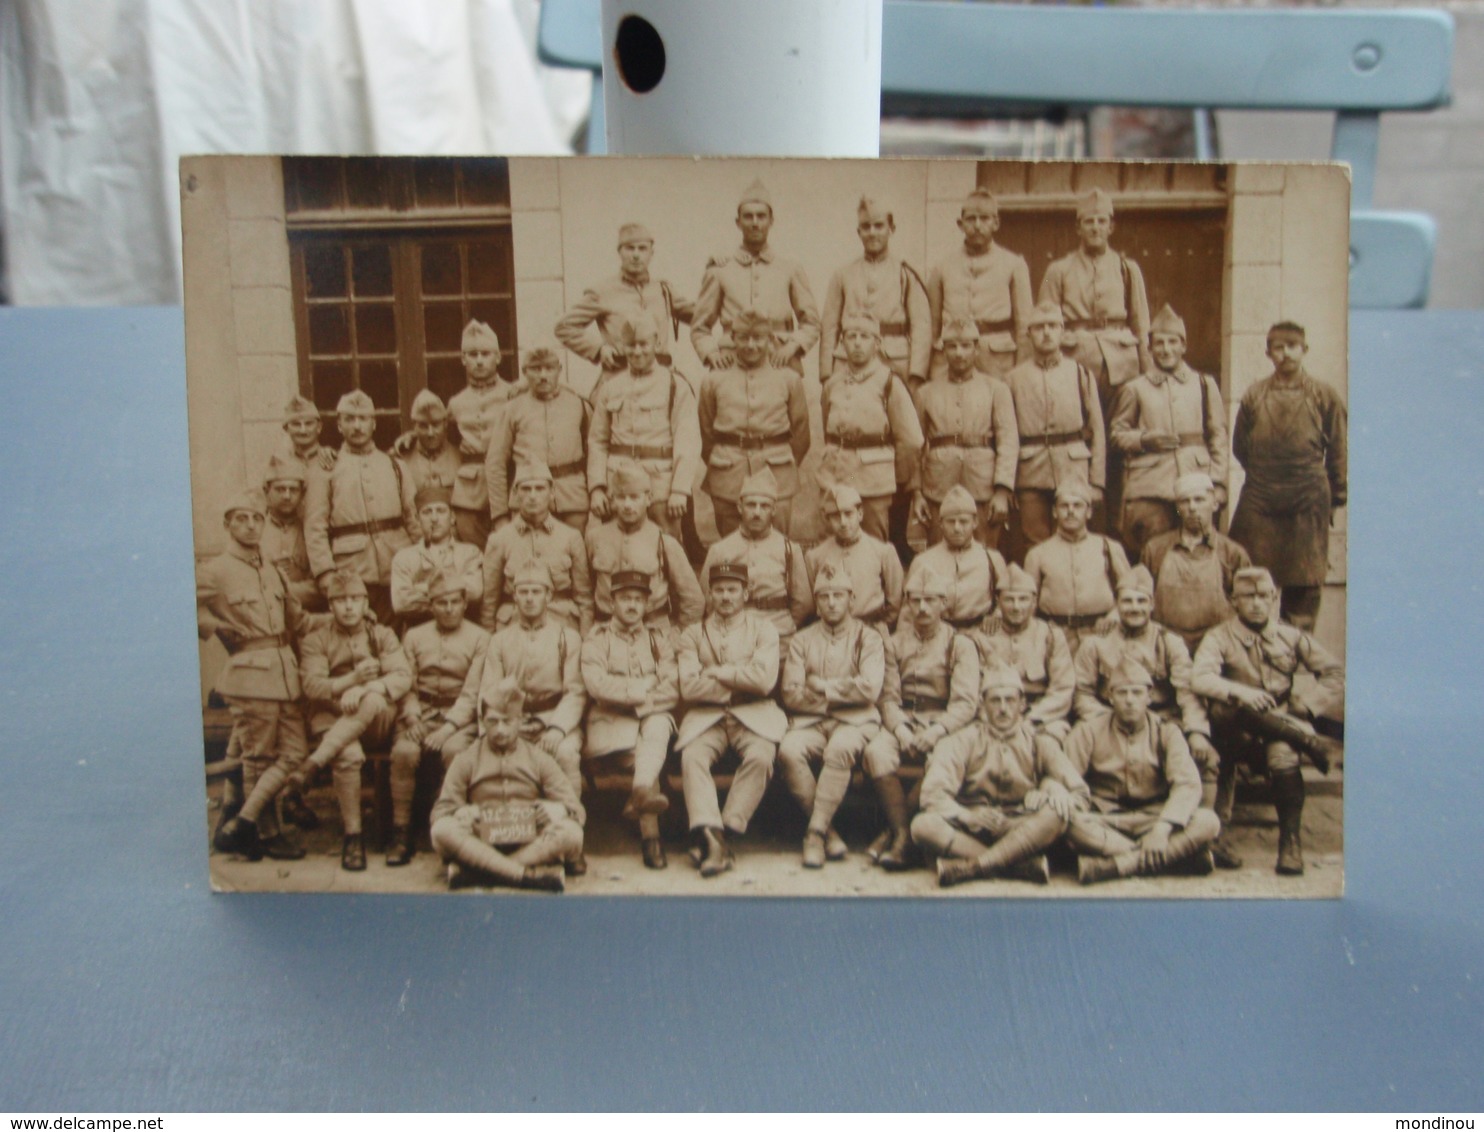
x: 476, y: 409
x: 986, y: 284
x: 432, y: 458
x: 753, y: 276
x: 591, y: 328
x: 302, y: 425
x: 547, y: 424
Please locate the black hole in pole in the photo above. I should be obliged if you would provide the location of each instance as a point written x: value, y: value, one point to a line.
x: 640, y: 54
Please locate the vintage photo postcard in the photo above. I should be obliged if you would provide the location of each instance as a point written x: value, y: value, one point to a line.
x: 769, y: 527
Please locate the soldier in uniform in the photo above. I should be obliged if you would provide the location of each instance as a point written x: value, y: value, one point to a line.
x: 1036, y: 649
x: 973, y: 571
x: 355, y: 675
x: 871, y: 431
x: 985, y: 283
x: 728, y: 668
x: 440, y: 653
x: 302, y: 425
x: 1077, y: 573
x: 246, y: 603
x: 873, y: 566
x: 547, y: 424
x: 1145, y: 815
x: 500, y: 770
x: 998, y: 793
x: 630, y: 541
x: 533, y: 535
x: 1061, y: 428
x: 778, y: 577
x: 1194, y: 566
x: 591, y: 328
x: 647, y: 414
x: 437, y: 551
x: 432, y: 459
x: 887, y: 287
x: 361, y: 512
x: 477, y: 409
x: 633, y: 689
x: 1245, y: 668
x: 753, y: 276
x: 282, y: 544
x: 1167, y: 422
x: 1290, y: 437
x: 971, y: 440
x: 1100, y: 293
x: 832, y: 680
x: 752, y: 416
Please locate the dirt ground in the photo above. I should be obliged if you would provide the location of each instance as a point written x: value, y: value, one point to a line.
x: 768, y: 860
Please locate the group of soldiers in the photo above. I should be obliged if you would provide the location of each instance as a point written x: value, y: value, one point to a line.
x: 520, y: 601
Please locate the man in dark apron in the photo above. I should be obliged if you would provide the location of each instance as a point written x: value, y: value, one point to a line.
x: 1290, y: 437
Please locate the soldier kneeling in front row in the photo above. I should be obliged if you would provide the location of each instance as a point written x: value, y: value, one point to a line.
x: 507, y: 814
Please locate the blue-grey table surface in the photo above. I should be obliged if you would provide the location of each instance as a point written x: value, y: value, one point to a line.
x: 126, y: 985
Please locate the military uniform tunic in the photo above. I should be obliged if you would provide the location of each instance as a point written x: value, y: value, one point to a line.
x: 477, y: 410
x: 1039, y: 652
x: 413, y: 569
x: 329, y: 652
x: 974, y: 576
x: 541, y: 430
x: 630, y: 677
x: 675, y: 596
x: 1077, y: 579
x: 930, y: 680
x: 872, y: 434
x: 977, y: 767
x: 750, y: 420
x: 891, y: 291
x: 600, y: 314
x: 1106, y: 308
x: 440, y: 469
x: 994, y: 290
x: 1162, y: 653
x: 1184, y: 403
x: 244, y: 598
x: 777, y: 577
x: 875, y: 572
x: 652, y: 421
x: 282, y: 545
x: 1061, y: 425
x: 1234, y: 653
x: 557, y: 547
x: 357, y: 516
x: 840, y: 725
x: 440, y: 664
x: 971, y: 437
x: 772, y: 284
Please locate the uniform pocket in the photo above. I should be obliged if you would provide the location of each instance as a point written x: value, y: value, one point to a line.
x: 780, y: 460
x: 349, y: 543
x: 876, y: 455
x: 1078, y: 450
x: 721, y: 459
x: 470, y: 472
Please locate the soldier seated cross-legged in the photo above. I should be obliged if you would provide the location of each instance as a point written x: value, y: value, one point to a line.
x: 997, y: 794
x: 507, y: 814
x: 633, y: 688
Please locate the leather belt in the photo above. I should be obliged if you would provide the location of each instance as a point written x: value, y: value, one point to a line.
x: 537, y: 704
x: 858, y: 442
x: 750, y: 442
x: 366, y: 528
x: 768, y: 604
x: 465, y: 459
x: 254, y: 644
x: 641, y: 451
x: 960, y: 442
x: 924, y: 703
x: 1050, y: 438
x: 743, y: 701
x: 1191, y: 439
x: 894, y: 329
x: 1000, y: 326
x: 1097, y: 323
x: 1074, y: 620
x: 574, y: 468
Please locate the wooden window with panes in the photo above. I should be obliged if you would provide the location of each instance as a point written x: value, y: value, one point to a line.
x: 390, y: 259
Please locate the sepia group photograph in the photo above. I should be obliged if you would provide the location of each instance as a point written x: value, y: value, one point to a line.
x: 769, y: 527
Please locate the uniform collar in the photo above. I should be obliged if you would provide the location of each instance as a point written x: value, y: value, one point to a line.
x: 641, y: 279
x: 1248, y: 636
x: 527, y: 525
x: 764, y: 537
x: 746, y: 258
x: 1182, y: 374
x: 836, y: 632
x: 1187, y: 541
x: 281, y: 524
x: 253, y: 558
x: 369, y: 450
x: 884, y: 257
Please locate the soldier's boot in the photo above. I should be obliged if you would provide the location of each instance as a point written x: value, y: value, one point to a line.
x: 897, y: 855
x: 401, y: 849
x: 814, y: 850
x: 879, y: 846
x: 1288, y: 797
x: 267, y: 787
x: 1022, y: 844
x: 1184, y: 856
x: 829, y: 793
x: 645, y: 801
x: 236, y: 835
x: 716, y: 854
x: 231, y: 801
x: 959, y: 860
x: 650, y: 846
x: 1095, y: 870
x: 294, y: 809
x: 1223, y: 799
x: 543, y: 878
x: 280, y: 847
x: 353, y: 853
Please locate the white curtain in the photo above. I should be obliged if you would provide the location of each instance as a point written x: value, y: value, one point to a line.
x: 100, y: 98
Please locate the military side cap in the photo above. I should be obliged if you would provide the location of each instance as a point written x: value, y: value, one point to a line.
x: 626, y: 477
x: 444, y: 582
x: 533, y: 472
x: 356, y: 401
x: 629, y: 580
x: 1138, y: 580
x: 981, y: 195
x: 433, y: 492
x: 1255, y: 576
x: 728, y: 572
x: 300, y: 408
x: 479, y: 335
x: 1095, y: 203
x: 927, y: 582
x: 344, y: 583
x: 759, y: 485
x: 543, y: 354
x: 250, y: 501
x: 832, y: 578
x: 1191, y: 483
x: 503, y: 698
x: 281, y: 469
x: 1000, y: 675
x: 838, y: 498
x: 428, y: 406
x: 1045, y: 313
x: 1074, y: 487
x: 531, y: 572
x: 1167, y: 322
x: 1129, y: 672
x: 958, y: 330
x: 633, y: 233
x: 870, y: 207
x: 1017, y: 581
x: 750, y: 318
x: 861, y: 320
x: 756, y: 193
x: 958, y: 501
x: 637, y: 326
